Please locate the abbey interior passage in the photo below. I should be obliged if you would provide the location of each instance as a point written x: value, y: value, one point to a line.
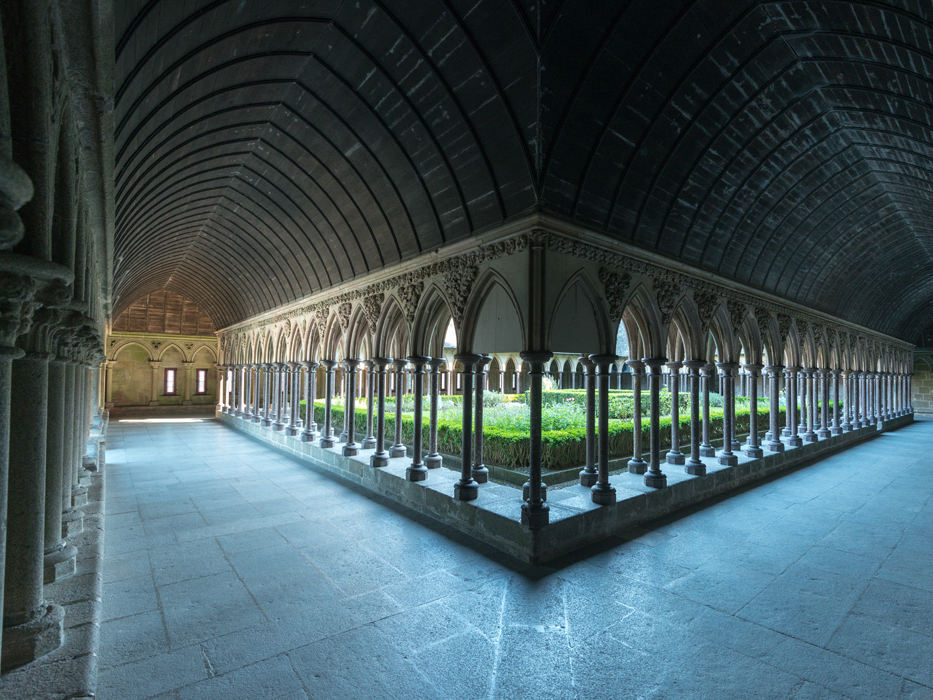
x: 475, y: 348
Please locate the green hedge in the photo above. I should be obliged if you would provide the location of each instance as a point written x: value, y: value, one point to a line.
x: 562, y: 449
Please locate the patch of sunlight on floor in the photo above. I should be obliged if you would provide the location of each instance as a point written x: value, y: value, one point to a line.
x: 161, y: 420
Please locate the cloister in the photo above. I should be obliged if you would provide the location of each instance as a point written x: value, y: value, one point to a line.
x: 582, y: 344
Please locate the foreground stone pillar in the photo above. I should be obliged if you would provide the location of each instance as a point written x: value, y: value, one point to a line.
x: 588, y: 475
x: 636, y: 465
x: 727, y: 374
x: 72, y: 517
x: 417, y: 471
x: 278, y: 388
x: 695, y: 465
x: 535, y: 511
x: 59, y: 555
x: 248, y: 407
x: 380, y: 458
x: 480, y: 472
x: 466, y: 489
x: 836, y: 428
x: 822, y: 375
x: 707, y: 372
x: 602, y: 492
x: 294, y: 376
x: 774, y: 443
x: 398, y: 448
x: 846, y: 425
x: 674, y: 455
x: 654, y: 477
x: 327, y: 434
x: 32, y: 626
x: 809, y: 374
x: 753, y: 371
x: 369, y: 440
x: 793, y: 437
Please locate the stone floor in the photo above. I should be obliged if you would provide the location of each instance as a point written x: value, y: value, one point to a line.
x: 233, y: 572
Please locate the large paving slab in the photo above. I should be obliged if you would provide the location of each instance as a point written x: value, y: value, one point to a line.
x: 814, y: 584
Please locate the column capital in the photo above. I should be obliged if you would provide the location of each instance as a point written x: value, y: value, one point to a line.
x: 654, y: 364
x: 753, y: 369
x: 328, y: 364
x: 381, y: 362
x: 483, y: 361
x: 310, y: 365
x: 790, y: 369
x: 468, y: 359
x: 602, y: 361
x: 727, y: 369
x: 351, y: 362
x: 399, y: 363
x: 773, y: 369
x: 674, y: 366
x: 293, y: 365
x: 637, y: 366
x: 419, y: 361
x: 155, y: 364
x: 435, y: 363
x: 586, y: 361
x: 694, y: 366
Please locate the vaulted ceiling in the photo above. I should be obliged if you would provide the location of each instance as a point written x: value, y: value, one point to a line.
x: 266, y: 150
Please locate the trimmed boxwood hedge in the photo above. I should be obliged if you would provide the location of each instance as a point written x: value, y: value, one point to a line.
x: 562, y: 449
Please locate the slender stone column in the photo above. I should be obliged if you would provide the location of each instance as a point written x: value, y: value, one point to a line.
x: 845, y: 426
x: 695, y: 465
x: 909, y: 393
x: 774, y: 443
x: 434, y: 459
x: 351, y: 447
x: 803, y: 393
x: 602, y: 492
x: 752, y: 449
x: 636, y: 465
x: 309, y: 427
x: 398, y: 449
x: 265, y: 372
x: 823, y: 375
x: 72, y: 517
x: 535, y: 511
x: 187, y: 369
x: 793, y: 438
x: 466, y: 489
x: 417, y: 471
x: 876, y: 397
x: 59, y: 555
x: 836, y: 428
x: 255, y: 394
x: 654, y: 477
x: 727, y: 374
x: 247, y: 393
x: 278, y: 385
x: 707, y: 372
x: 369, y: 440
x: 588, y: 475
x: 808, y: 374
x: 221, y: 384
x: 327, y: 435
x: 674, y: 455
x: 294, y: 374
x: 31, y: 626
x: 380, y: 458
x: 480, y: 472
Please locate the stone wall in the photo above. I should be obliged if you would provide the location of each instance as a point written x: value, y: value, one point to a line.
x: 922, y: 397
x: 137, y: 363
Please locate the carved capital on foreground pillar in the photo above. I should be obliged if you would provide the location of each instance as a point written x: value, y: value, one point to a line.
x: 15, y: 190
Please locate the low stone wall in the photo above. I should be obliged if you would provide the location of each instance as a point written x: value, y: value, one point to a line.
x: 494, y: 518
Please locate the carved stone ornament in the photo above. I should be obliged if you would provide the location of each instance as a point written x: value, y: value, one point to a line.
x: 666, y: 292
x: 763, y: 320
x: 706, y: 300
x: 737, y: 313
x: 287, y: 327
x: 408, y: 296
x: 458, y: 281
x: 343, y: 314
x: 615, y: 287
x: 372, y: 306
x: 17, y: 305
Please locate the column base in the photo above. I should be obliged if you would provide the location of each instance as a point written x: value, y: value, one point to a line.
x: 344, y: 436
x: 433, y: 461
x: 695, y: 468
x: 293, y: 430
x: 835, y: 431
x: 809, y: 436
x: 416, y: 472
x: 588, y: 478
x: 637, y: 466
x: 754, y: 452
x: 603, y: 495
x: 279, y: 426
x: 526, y: 491
x: 397, y: 451
x: 72, y: 522
x: 675, y: 457
x: 79, y: 496
x: 379, y: 460
x: 656, y: 481
x: 823, y: 433
x: 466, y: 490
x: 729, y: 460
x: 266, y: 422
x: 351, y: 449
x: 707, y: 451
x: 59, y: 562
x: 480, y: 474
x: 257, y: 419
x: 736, y: 445
x: 34, y: 638
x: 767, y: 437
x: 368, y: 443
x: 535, y: 517
x: 785, y: 432
x: 794, y: 441
x: 307, y: 436
x: 775, y: 446
x: 327, y: 441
